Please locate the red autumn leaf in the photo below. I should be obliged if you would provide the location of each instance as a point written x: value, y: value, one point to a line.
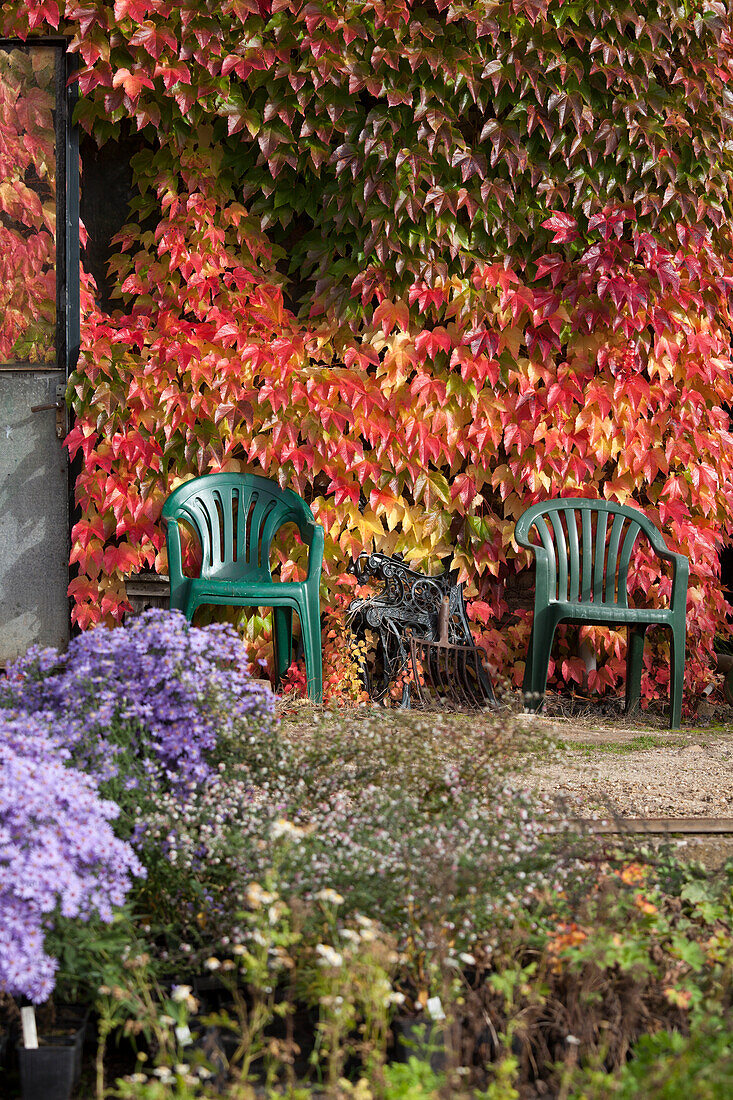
x: 175, y: 73
x: 564, y: 228
x: 132, y: 82
x: 154, y: 39
x: 136, y: 10
x: 390, y: 314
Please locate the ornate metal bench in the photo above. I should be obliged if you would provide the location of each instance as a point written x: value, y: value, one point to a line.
x: 408, y: 606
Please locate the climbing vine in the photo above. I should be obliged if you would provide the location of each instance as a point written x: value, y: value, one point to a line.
x: 426, y: 262
x: 27, y: 207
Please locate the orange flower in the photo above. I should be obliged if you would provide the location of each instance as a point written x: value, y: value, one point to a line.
x: 568, y: 935
x: 679, y: 997
x: 645, y: 906
x: 633, y: 874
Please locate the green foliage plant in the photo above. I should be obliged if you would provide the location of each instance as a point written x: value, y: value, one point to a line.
x: 418, y: 826
x: 414, y: 1079
x: 532, y: 956
x: 428, y: 263
x: 670, y: 1066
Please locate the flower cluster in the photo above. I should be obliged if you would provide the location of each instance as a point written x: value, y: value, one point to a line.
x: 202, y: 850
x: 415, y: 828
x: 145, y: 703
x: 58, y: 852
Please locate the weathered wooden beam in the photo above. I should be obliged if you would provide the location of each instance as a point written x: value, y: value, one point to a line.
x: 690, y: 826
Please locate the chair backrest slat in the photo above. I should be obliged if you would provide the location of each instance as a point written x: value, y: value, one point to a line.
x: 573, y: 553
x: 270, y: 522
x: 561, y: 556
x: 228, y: 496
x: 548, y: 544
x: 610, y: 594
x: 255, y: 504
x: 198, y: 515
x: 625, y: 560
x: 585, y: 590
x: 599, y: 557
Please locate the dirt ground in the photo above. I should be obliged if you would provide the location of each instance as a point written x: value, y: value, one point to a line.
x: 623, y: 768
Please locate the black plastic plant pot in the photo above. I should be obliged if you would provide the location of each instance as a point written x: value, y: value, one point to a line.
x: 48, y: 1072
x: 75, y: 1017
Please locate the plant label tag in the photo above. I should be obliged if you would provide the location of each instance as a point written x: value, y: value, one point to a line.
x: 183, y: 1035
x: 28, y: 1021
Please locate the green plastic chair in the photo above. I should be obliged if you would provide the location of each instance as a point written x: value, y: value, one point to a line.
x: 235, y: 518
x: 581, y: 577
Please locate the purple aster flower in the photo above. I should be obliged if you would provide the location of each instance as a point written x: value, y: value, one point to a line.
x: 58, y: 851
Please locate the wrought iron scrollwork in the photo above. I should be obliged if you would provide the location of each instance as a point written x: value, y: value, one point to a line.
x: 406, y: 606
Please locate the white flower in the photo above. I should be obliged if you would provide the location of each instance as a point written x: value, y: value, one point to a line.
x: 350, y: 934
x: 256, y: 896
x: 328, y: 956
x: 275, y: 912
x: 283, y: 827
x: 332, y: 897
x: 435, y: 1008
x: 396, y: 998
x: 466, y: 958
x: 212, y: 963
x: 181, y: 992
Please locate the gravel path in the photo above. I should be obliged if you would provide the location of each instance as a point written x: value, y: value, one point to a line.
x: 619, y: 772
x: 693, y: 780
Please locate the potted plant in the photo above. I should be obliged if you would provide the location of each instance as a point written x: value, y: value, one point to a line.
x: 60, y: 861
x: 50, y: 1066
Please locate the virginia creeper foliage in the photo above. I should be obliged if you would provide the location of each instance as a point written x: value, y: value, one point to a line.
x: 428, y: 262
x: 27, y: 207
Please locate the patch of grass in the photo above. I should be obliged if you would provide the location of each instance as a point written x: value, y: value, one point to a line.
x: 640, y: 743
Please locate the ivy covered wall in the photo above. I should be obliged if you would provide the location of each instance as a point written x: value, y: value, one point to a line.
x: 426, y: 262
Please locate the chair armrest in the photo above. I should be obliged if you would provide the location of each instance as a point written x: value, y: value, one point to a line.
x: 679, y: 580
x: 680, y: 567
x: 313, y: 536
x: 173, y: 540
x: 545, y: 566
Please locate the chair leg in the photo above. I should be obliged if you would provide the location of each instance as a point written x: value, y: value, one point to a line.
x: 177, y: 601
x: 527, y: 678
x: 538, y: 661
x: 676, y: 678
x: 282, y: 637
x: 190, y: 608
x: 311, y: 627
x: 634, y: 666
